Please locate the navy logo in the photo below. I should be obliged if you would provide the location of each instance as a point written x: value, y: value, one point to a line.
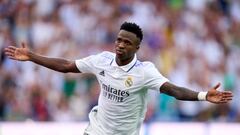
x: 102, y: 73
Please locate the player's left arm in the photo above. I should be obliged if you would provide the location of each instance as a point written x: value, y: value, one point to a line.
x: 181, y: 93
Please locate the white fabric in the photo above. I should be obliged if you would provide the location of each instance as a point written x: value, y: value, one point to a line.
x: 122, y: 101
x: 202, y: 96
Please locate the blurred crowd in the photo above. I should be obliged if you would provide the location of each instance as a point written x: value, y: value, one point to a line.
x: 194, y: 43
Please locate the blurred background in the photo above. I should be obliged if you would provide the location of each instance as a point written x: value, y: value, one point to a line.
x: 194, y: 43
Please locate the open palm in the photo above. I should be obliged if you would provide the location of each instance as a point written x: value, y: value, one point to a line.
x: 16, y: 53
x: 218, y: 97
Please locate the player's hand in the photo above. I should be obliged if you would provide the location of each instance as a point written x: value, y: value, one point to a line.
x: 21, y: 53
x: 219, y: 97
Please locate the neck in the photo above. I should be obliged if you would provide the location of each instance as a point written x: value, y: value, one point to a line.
x: 123, y: 62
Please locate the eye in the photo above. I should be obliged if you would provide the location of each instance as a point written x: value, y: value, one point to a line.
x: 118, y: 40
x: 127, y: 43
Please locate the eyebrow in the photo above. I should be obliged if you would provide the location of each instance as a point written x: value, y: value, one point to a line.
x: 125, y: 39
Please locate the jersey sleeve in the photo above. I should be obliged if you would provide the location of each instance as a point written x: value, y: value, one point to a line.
x: 153, y: 78
x: 87, y: 64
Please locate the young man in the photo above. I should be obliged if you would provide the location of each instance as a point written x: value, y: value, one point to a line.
x: 124, y: 82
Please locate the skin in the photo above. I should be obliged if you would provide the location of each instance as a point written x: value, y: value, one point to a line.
x: 126, y: 46
x: 24, y: 54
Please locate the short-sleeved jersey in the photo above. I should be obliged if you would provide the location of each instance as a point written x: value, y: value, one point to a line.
x: 122, y: 101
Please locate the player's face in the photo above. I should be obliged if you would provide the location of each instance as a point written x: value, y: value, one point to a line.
x: 127, y: 45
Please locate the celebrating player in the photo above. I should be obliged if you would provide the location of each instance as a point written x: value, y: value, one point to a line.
x: 124, y: 83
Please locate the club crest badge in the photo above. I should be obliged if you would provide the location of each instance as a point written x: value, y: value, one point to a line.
x: 129, y: 82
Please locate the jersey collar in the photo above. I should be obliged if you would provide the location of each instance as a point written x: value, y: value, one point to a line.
x: 127, y: 67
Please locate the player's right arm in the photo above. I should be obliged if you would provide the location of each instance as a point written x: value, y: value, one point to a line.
x: 24, y: 54
x: 213, y: 95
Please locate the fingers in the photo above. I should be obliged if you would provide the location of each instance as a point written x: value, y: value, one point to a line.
x: 12, y: 57
x: 10, y: 50
x: 226, y: 96
x: 227, y: 92
x: 23, y: 45
x: 224, y: 101
x: 217, y: 86
x: 11, y: 47
x: 9, y: 54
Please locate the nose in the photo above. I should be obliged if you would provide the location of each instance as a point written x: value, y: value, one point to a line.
x: 121, y: 45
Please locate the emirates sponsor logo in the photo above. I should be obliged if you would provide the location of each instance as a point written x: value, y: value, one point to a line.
x: 114, y: 94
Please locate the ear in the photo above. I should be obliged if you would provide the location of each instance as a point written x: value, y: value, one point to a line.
x: 137, y: 47
x: 138, y: 43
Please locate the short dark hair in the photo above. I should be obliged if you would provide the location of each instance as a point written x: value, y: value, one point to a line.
x: 134, y: 28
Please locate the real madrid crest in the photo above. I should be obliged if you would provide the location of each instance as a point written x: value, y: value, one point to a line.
x: 129, y: 82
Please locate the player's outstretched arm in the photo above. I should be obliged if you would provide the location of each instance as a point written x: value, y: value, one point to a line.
x: 181, y: 93
x: 24, y: 54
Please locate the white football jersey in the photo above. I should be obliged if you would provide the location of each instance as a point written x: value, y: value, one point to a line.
x: 123, y: 98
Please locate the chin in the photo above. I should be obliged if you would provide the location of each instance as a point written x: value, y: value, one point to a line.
x: 121, y: 57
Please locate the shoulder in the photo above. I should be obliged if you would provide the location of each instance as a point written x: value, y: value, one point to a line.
x: 148, y: 65
x: 104, y: 57
x: 99, y: 57
x: 150, y: 69
x: 145, y: 65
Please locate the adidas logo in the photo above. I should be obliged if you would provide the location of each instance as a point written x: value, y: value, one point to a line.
x: 102, y: 73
